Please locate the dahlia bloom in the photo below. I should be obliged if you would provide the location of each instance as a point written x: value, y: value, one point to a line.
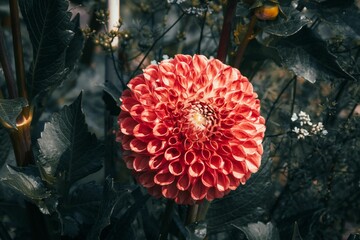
x: 191, y: 129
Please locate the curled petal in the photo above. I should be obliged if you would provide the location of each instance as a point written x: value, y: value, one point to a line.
x: 128, y: 103
x: 142, y: 131
x: 155, y: 146
x: 141, y: 163
x: 216, y: 162
x: 222, y: 182
x: 127, y: 126
x: 148, y: 116
x: 146, y: 179
x: 160, y: 131
x: 137, y: 145
x: 172, y: 153
x: 190, y: 157
x: 176, y: 168
x: 170, y: 191
x: 208, y: 179
x: 164, y: 178
x: 196, y: 169
x: 198, y: 190
x: 183, y: 183
x: 228, y: 167
x: 157, y: 161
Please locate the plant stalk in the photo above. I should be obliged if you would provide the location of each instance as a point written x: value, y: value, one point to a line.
x: 18, y: 50
x: 244, y: 43
x: 192, y: 214
x: 4, y: 60
x: 226, y: 29
x: 166, y: 219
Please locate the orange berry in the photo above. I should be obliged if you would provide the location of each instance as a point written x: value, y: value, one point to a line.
x: 267, y: 12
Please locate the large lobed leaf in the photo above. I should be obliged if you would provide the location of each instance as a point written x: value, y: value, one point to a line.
x: 286, y: 26
x: 26, y: 181
x: 66, y: 150
x: 10, y: 109
x: 244, y: 205
x: 57, y: 43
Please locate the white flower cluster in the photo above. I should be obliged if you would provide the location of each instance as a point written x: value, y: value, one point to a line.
x: 197, y: 11
x: 307, y: 128
x: 177, y: 1
x: 164, y: 57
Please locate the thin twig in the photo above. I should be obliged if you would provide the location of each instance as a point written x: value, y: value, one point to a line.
x: 4, y: 60
x: 293, y: 97
x: 278, y: 98
x: 248, y: 36
x: 116, y: 70
x: 226, y: 29
x: 154, y: 43
x: 18, y: 49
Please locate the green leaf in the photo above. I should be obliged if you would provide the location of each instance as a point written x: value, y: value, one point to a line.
x: 244, y: 205
x: 55, y: 42
x: 307, y: 57
x: 66, y: 150
x: 10, y: 109
x: 284, y: 27
x: 27, y: 181
x: 111, y: 197
x: 296, y: 234
x: 260, y: 231
x: 5, y: 146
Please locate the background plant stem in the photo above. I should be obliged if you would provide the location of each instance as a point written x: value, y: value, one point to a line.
x: 166, y: 220
x: 18, y: 50
x: 226, y: 29
x: 4, y: 60
x: 248, y: 36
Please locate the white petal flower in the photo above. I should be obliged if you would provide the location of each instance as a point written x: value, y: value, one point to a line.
x: 294, y: 117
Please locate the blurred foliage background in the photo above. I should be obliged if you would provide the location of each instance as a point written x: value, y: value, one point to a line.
x: 302, y: 56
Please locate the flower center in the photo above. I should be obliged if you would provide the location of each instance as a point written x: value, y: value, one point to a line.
x: 201, y: 120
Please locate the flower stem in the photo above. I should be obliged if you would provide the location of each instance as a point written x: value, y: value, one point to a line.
x: 203, y: 208
x: 226, y: 29
x: 192, y: 214
x: 18, y: 50
x: 248, y: 36
x: 4, y: 60
x: 166, y: 220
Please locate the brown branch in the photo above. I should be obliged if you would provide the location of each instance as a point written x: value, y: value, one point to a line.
x: 9, y: 77
x: 226, y: 29
x: 18, y: 50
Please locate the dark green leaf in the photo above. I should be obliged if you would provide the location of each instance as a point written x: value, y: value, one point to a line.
x: 296, y: 234
x: 10, y: 110
x: 66, y: 150
x: 284, y: 27
x: 4, y: 145
x: 308, y: 57
x: 260, y: 231
x: 354, y: 237
x: 73, y: 52
x: 244, y: 205
x: 111, y: 196
x: 83, y: 203
x: 55, y: 43
x: 27, y: 181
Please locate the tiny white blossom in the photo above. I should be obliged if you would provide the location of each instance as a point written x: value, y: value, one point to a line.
x: 296, y: 130
x: 324, y: 132
x: 165, y: 57
x: 294, y: 117
x: 154, y: 62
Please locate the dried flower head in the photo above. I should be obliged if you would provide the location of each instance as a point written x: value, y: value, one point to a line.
x: 191, y: 129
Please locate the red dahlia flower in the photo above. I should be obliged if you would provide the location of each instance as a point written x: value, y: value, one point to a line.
x: 191, y: 129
